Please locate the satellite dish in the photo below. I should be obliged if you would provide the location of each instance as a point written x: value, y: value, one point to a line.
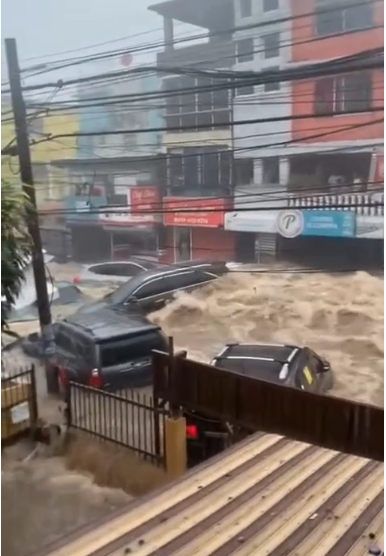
x: 126, y: 59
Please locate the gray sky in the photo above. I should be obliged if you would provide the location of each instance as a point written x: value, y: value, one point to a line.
x: 44, y: 27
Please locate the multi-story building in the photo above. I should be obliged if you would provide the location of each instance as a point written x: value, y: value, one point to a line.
x: 116, y: 170
x: 49, y: 159
x: 199, y: 159
x: 315, y: 158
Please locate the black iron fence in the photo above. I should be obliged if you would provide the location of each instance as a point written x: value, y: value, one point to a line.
x: 19, y: 405
x: 129, y: 419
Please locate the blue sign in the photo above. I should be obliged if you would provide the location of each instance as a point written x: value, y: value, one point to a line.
x: 329, y: 223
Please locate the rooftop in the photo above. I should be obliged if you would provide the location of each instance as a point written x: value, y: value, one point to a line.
x: 213, y: 15
x: 268, y: 495
x: 110, y: 323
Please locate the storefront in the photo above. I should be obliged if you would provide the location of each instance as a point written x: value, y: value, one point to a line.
x: 134, y: 230
x: 195, y: 230
x: 254, y: 234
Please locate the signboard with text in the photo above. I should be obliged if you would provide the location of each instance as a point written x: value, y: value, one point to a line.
x: 325, y: 223
x: 206, y: 213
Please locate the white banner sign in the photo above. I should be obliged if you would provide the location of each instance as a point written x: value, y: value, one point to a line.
x: 370, y: 227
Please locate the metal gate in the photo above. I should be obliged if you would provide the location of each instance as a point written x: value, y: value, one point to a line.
x: 129, y: 419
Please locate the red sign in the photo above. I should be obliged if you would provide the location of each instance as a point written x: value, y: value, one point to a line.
x: 206, y: 213
x: 144, y: 200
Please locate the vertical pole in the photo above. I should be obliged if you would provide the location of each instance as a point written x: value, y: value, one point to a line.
x: 23, y: 150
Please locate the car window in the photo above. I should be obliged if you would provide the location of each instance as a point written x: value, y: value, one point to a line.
x: 126, y: 350
x: 156, y: 286
x: 183, y: 280
x: 202, y: 277
x: 316, y: 364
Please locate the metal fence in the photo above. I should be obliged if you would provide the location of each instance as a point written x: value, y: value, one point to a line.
x: 129, y: 419
x: 19, y: 405
x: 254, y: 405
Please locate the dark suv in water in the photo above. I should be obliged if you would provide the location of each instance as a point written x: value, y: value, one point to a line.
x: 107, y: 349
x: 294, y: 366
x: 151, y: 289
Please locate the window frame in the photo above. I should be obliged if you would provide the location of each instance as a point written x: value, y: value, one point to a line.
x: 321, y: 8
x: 247, y: 56
x: 267, y: 9
x: 276, y: 49
x: 339, y: 100
x: 273, y: 86
x: 248, y: 87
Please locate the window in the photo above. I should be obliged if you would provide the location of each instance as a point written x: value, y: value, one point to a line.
x: 269, y: 85
x: 244, y: 49
x: 270, y: 5
x: 197, y: 103
x: 271, y: 170
x: 245, y: 90
x: 244, y: 171
x: 331, y: 19
x: 271, y: 44
x: 343, y: 94
x: 156, y: 286
x: 245, y: 8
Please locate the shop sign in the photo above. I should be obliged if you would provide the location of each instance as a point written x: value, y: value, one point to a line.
x: 206, y: 213
x: 325, y: 223
x: 370, y: 227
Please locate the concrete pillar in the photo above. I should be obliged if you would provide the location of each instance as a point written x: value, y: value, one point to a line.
x: 175, y: 446
x: 284, y: 170
x: 168, y: 34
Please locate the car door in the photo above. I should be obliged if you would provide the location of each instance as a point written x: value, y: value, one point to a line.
x: 317, y: 365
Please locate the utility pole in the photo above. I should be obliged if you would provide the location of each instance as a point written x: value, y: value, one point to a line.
x: 32, y: 218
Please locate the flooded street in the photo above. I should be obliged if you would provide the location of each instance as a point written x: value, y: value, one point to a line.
x: 340, y: 316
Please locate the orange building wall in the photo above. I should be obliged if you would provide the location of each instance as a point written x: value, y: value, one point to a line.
x: 306, y: 48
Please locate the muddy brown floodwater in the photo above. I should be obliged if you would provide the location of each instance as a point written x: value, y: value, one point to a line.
x: 340, y: 316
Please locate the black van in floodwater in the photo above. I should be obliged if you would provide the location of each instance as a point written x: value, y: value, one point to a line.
x: 107, y: 349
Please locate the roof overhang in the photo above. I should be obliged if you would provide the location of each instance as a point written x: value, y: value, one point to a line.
x: 213, y: 15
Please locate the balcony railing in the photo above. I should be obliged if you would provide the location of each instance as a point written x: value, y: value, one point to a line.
x: 206, y: 55
x: 364, y: 203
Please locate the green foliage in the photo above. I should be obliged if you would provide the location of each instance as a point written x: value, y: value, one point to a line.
x: 15, y: 245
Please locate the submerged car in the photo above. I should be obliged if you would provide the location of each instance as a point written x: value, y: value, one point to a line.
x: 117, y: 271
x: 152, y: 289
x: 107, y: 349
x: 294, y: 366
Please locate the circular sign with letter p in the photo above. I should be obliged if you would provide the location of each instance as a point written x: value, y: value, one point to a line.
x: 290, y: 223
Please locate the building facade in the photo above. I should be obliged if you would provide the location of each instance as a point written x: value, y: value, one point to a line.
x: 198, y: 143
x: 117, y: 167
x: 328, y: 154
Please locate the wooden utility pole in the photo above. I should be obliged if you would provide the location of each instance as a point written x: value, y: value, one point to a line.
x: 26, y: 175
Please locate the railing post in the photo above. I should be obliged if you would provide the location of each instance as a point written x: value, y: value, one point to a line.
x: 34, y: 398
x: 67, y: 407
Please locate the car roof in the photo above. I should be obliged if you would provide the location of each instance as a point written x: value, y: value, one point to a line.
x: 200, y: 264
x: 133, y: 283
x: 106, y: 324
x: 269, y: 362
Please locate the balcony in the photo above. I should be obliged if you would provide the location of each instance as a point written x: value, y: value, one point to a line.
x: 205, y: 55
x: 254, y: 197
x: 368, y: 204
